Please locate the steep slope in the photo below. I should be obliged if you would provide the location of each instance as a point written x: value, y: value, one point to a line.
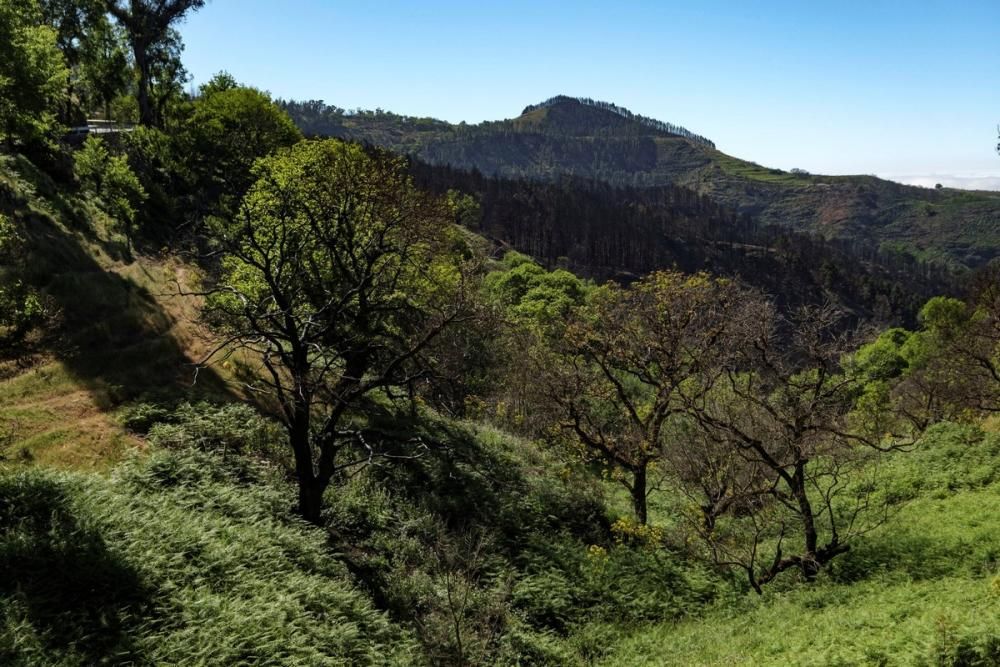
x: 568, y: 136
x: 115, y: 331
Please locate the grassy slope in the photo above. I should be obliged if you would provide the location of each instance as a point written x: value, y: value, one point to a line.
x: 163, y: 557
x: 116, y: 331
x: 122, y: 339
x: 923, y: 589
x: 178, y: 559
x: 167, y: 559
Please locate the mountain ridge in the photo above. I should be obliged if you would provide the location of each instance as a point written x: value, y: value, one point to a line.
x: 560, y: 101
x: 563, y: 136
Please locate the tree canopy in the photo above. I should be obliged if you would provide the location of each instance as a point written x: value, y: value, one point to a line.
x: 148, y: 24
x: 230, y: 128
x: 338, y: 274
x: 32, y: 73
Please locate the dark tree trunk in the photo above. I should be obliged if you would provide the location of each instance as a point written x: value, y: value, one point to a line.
x: 147, y: 116
x: 638, y: 491
x: 311, y: 499
x: 809, y: 565
x: 311, y: 486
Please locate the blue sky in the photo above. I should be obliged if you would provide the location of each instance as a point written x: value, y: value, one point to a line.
x: 906, y: 90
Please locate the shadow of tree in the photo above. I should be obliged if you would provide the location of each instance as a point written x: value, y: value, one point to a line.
x: 114, y: 336
x: 61, y: 587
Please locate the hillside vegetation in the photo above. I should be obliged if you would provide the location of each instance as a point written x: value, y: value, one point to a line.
x: 269, y: 400
x: 566, y: 136
x: 922, y: 590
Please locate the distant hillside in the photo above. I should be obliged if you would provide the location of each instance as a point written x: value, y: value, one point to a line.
x: 598, y: 140
x: 608, y: 232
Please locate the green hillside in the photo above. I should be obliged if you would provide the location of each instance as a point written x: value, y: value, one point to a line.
x: 275, y: 400
x: 178, y: 512
x: 921, y: 590
x: 582, y: 138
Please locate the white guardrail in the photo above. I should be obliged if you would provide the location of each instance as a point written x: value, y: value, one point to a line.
x: 99, y: 127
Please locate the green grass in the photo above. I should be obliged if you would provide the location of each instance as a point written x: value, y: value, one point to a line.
x: 114, y: 331
x: 755, y: 172
x: 922, y: 589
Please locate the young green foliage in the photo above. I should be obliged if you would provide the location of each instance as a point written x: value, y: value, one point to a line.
x: 111, y: 178
x: 32, y: 74
x: 336, y: 277
x: 20, y: 307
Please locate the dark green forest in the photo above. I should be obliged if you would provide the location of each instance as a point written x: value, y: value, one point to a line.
x: 283, y: 384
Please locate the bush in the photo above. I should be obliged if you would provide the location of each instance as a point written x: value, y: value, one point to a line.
x: 111, y: 178
x: 951, y: 647
x: 230, y: 428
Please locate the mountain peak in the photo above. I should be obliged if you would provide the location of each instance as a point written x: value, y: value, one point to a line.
x: 566, y: 110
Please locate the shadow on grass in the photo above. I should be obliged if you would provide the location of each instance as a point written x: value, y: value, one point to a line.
x: 113, y: 336
x: 63, y: 593
x: 470, y: 483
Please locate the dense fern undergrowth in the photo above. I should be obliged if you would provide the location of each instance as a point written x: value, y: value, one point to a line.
x: 922, y: 590
x: 481, y: 547
x: 191, y: 554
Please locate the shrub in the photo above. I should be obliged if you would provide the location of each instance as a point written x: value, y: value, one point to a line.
x: 232, y: 427
x: 111, y: 178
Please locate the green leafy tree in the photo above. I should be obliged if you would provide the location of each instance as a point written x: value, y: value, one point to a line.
x: 111, y: 178
x: 336, y: 277
x: 20, y: 307
x: 230, y: 129
x: 966, y: 337
x: 148, y: 24
x: 73, y: 21
x: 168, y: 76
x: 949, y: 369
x: 105, y: 67
x: 220, y: 81
x: 32, y: 73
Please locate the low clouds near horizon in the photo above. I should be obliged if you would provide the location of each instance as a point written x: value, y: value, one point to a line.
x: 988, y: 180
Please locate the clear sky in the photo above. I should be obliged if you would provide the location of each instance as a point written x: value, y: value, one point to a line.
x: 905, y: 90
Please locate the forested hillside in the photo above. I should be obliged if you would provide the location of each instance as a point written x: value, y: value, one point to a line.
x: 566, y: 136
x: 608, y: 232
x: 276, y: 400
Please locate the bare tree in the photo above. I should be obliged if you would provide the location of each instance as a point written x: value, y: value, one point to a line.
x: 466, y: 604
x: 786, y: 461
x: 623, y: 366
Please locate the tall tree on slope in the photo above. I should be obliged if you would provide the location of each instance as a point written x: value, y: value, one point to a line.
x: 148, y: 24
